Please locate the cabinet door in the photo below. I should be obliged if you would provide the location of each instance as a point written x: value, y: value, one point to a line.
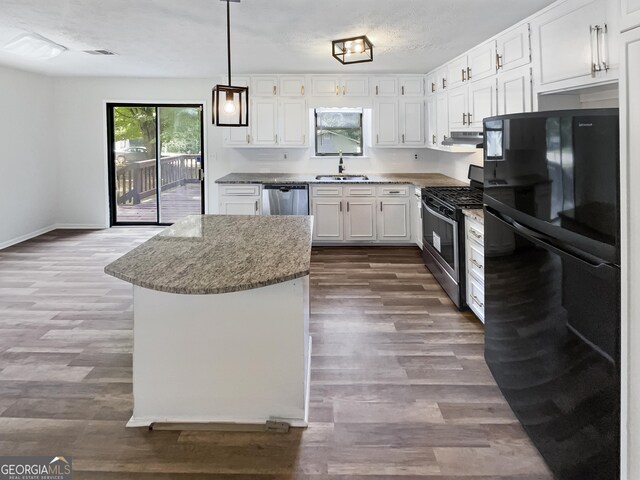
x: 482, y: 62
x: 394, y: 219
x: 360, y: 219
x: 239, y: 205
x: 482, y: 102
x: 385, y: 122
x: 630, y: 14
x: 355, y: 86
x: 431, y: 84
x: 412, y: 85
x: 457, y: 72
x: 237, y: 136
x: 458, y: 108
x: 293, y: 122
x: 328, y: 219
x: 442, y: 115
x: 563, y: 43
x: 325, y: 86
x: 514, y: 91
x: 264, y: 86
x: 265, y: 121
x: 292, y: 86
x: 431, y: 122
x: 514, y: 48
x: 385, y: 86
x: 412, y: 121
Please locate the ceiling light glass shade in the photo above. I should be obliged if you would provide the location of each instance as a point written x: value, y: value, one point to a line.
x: 230, y: 106
x: 32, y: 45
x: 352, y: 50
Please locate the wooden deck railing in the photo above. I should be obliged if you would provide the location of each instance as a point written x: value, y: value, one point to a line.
x: 138, y: 180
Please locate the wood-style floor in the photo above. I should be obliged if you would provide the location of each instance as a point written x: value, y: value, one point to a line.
x: 399, y: 385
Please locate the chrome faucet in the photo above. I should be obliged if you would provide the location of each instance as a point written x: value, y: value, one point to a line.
x: 341, y: 167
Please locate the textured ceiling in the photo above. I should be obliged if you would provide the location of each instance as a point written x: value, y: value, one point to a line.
x: 186, y: 38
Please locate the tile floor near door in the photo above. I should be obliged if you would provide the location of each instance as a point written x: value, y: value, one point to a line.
x: 399, y: 387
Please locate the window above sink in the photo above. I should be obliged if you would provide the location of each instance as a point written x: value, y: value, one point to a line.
x: 338, y: 130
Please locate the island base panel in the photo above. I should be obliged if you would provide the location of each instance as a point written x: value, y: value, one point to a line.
x: 240, y: 357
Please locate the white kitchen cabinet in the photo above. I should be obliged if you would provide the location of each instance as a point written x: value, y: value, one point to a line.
x: 385, y: 86
x: 237, y: 136
x: 264, y: 126
x: 458, y: 108
x: 325, y: 86
x: 354, y: 86
x: 264, y: 86
x: 416, y: 215
x: 457, y: 72
x: 360, y: 219
x: 431, y: 84
x: 513, y: 48
x: 630, y: 14
x: 394, y: 219
x: 482, y: 102
x: 293, y: 116
x: 474, y: 254
x: 412, y: 122
x: 239, y: 199
x: 514, y: 91
x: 385, y: 122
x: 442, y: 116
x: 292, y: 86
x: 431, y: 121
x: 566, y: 48
x: 412, y: 85
x: 482, y: 62
x: 328, y: 223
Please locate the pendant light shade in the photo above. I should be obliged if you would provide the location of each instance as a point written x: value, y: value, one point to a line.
x: 230, y: 104
x: 352, y: 50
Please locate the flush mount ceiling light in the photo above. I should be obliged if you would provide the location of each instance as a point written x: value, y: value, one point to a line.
x: 230, y: 103
x: 32, y: 45
x: 353, y: 50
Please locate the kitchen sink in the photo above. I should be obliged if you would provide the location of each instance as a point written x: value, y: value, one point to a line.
x: 342, y: 178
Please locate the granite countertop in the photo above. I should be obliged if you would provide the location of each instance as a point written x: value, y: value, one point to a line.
x: 208, y: 254
x: 417, y: 179
x: 476, y: 213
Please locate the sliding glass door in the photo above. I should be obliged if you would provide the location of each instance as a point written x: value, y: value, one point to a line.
x: 156, y: 169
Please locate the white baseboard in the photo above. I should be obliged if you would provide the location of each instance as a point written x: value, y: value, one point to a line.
x: 42, y: 231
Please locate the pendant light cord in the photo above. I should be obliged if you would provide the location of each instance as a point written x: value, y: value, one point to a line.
x: 228, y: 43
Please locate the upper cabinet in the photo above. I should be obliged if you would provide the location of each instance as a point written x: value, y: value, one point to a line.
x: 292, y: 86
x: 386, y: 86
x: 514, y: 91
x: 630, y: 14
x: 513, y: 48
x: 482, y: 62
x: 575, y: 44
x: 411, y: 124
x: 412, y: 86
x: 348, y: 85
x: 385, y: 122
x: 293, y: 120
x: 457, y: 72
x: 264, y: 86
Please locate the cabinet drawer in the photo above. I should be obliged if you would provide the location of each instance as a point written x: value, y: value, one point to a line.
x: 393, y: 191
x: 476, y: 261
x: 475, y: 298
x: 360, y: 191
x: 475, y: 232
x: 240, y: 190
x: 326, y: 191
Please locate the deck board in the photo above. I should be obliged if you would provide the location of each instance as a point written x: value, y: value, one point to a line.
x: 176, y: 202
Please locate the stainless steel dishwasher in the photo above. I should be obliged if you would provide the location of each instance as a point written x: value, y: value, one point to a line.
x: 279, y: 199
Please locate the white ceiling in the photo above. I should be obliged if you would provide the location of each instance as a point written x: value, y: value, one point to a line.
x: 186, y: 38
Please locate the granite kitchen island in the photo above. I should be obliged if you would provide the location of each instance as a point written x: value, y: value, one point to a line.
x: 221, y: 321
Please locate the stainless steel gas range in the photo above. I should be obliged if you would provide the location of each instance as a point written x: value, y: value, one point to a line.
x: 443, y: 232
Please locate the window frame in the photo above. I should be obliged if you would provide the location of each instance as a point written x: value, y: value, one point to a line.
x: 335, y: 154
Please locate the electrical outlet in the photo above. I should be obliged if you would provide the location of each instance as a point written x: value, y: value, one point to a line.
x: 415, y: 156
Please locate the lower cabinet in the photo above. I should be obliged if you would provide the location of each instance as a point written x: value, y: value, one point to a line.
x: 239, y: 200
x: 474, y: 254
x: 361, y: 213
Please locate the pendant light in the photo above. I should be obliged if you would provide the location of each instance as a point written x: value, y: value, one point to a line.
x: 352, y: 50
x: 230, y: 103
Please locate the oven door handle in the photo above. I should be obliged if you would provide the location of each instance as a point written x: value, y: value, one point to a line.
x: 438, y: 215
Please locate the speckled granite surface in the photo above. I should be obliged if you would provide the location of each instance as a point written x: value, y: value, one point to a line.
x: 475, y: 213
x: 208, y: 254
x: 417, y: 179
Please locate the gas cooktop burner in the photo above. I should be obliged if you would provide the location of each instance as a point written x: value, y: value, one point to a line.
x: 457, y: 197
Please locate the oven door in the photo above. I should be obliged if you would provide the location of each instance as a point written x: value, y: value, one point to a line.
x: 440, y: 237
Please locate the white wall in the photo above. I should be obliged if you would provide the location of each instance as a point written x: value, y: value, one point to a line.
x: 81, y: 126
x: 28, y: 160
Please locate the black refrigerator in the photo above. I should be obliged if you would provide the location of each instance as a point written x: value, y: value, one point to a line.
x: 552, y: 282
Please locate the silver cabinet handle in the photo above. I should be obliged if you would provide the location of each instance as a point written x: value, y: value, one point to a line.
x: 376, y: 89
x: 403, y: 138
x: 464, y: 119
x: 468, y: 73
x: 433, y: 139
x: 396, y: 192
x: 473, y: 260
x: 347, y: 206
x: 474, y: 233
x: 248, y: 138
x: 304, y: 138
x: 498, y: 61
x: 380, y: 206
x: 464, y: 75
x: 469, y: 118
x: 402, y: 88
x: 302, y: 90
x: 256, y: 205
x: 341, y: 205
x: 344, y: 90
x: 475, y: 299
x: 433, y: 87
x: 377, y: 139
x: 274, y: 90
x: 444, y: 83
x: 276, y: 137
